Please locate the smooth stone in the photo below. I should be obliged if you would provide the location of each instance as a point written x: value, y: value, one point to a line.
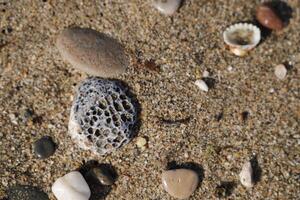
x: 102, y: 175
x: 92, y: 52
x: 180, y: 183
x: 246, y: 175
x: 71, y: 186
x: 280, y: 71
x: 21, y: 192
x: 268, y: 18
x: 44, y: 147
x: 167, y: 7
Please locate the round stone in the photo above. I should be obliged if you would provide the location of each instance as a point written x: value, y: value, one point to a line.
x: 26, y: 193
x: 44, y: 147
x: 180, y: 183
x: 102, y: 175
x: 92, y: 52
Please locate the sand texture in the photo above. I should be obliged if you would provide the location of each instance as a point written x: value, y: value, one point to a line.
x: 246, y: 111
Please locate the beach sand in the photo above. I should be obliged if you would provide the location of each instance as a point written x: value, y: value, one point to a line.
x: 246, y: 113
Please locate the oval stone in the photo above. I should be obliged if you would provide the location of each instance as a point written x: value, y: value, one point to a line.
x: 268, y: 18
x: 92, y: 52
x: 44, y: 147
x: 180, y: 183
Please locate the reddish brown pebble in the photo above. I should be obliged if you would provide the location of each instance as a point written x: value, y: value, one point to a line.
x: 268, y: 18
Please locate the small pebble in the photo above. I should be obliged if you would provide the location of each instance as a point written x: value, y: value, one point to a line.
x: 71, y: 186
x: 21, y: 192
x: 280, y: 71
x: 201, y: 85
x: 141, y: 143
x: 44, y: 147
x: 180, y: 183
x: 92, y: 52
x: 102, y: 175
x: 205, y: 74
x: 267, y: 17
x: 246, y: 175
x: 167, y: 7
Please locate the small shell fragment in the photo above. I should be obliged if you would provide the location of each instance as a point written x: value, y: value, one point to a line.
x: 201, y: 85
x: 246, y: 175
x: 241, y: 38
x: 280, y: 71
x: 205, y: 74
x: 141, y: 143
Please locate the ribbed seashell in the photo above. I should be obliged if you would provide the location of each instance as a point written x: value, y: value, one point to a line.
x: 241, y: 38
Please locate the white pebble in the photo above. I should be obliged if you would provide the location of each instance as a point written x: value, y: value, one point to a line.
x: 167, y: 7
x: 280, y: 71
x: 71, y: 186
x: 246, y: 175
x: 230, y: 68
x: 205, y: 74
x: 201, y: 85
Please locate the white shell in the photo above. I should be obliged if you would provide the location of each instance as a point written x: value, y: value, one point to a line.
x: 201, y: 85
x: 71, y: 186
x: 280, y: 71
x: 241, y: 38
x: 246, y: 175
x: 167, y: 7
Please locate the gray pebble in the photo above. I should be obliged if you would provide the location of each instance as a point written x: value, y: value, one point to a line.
x: 92, y: 52
x: 44, y: 147
x: 26, y: 193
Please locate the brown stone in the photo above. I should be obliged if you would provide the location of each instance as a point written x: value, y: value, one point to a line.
x: 92, y: 52
x: 180, y: 183
x: 268, y: 18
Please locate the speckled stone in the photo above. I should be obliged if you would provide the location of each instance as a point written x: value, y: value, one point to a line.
x: 92, y: 52
x: 26, y: 193
x: 44, y: 147
x: 167, y: 7
x: 180, y: 183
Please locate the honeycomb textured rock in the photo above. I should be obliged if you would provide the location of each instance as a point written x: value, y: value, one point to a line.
x: 102, y: 116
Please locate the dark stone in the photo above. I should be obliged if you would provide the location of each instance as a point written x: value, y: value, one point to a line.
x: 21, y: 192
x: 44, y: 147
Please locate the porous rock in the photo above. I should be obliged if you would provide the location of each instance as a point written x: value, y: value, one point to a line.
x: 103, y: 116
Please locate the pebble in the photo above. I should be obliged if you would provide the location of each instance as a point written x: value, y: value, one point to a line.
x: 267, y: 17
x: 102, y: 175
x: 205, y: 74
x: 167, y: 7
x: 21, y: 192
x: 92, y: 52
x: 246, y: 175
x: 141, y: 143
x: 201, y: 85
x: 280, y: 71
x: 180, y: 183
x: 71, y: 186
x: 44, y: 147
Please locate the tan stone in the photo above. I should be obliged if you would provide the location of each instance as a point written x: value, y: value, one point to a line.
x: 180, y: 183
x: 92, y: 52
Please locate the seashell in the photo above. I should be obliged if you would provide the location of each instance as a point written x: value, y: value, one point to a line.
x: 267, y: 17
x: 241, y: 38
x: 280, y: 71
x: 201, y: 85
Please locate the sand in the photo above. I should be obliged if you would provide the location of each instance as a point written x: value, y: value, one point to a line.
x: 246, y: 112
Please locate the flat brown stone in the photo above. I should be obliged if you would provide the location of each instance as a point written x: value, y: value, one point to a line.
x: 180, y: 183
x: 92, y: 52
